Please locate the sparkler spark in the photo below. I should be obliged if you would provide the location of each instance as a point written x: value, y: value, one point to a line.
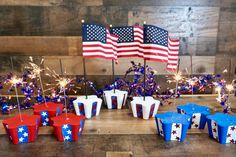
x: 230, y: 87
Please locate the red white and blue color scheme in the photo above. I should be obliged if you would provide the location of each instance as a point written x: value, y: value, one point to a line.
x: 158, y: 46
x: 197, y: 112
x: 22, y: 132
x: 98, y: 42
x: 115, y: 100
x: 47, y: 111
x: 87, y: 107
x: 222, y: 127
x: 144, y: 108
x: 68, y: 128
x: 172, y: 126
x: 130, y: 41
x: 148, y: 42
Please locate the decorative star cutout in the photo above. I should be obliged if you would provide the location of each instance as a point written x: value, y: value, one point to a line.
x: 232, y: 128
x: 21, y: 139
x: 44, y: 114
x: 21, y: 129
x: 25, y: 134
x: 65, y: 126
x: 177, y: 126
x: 229, y: 135
x: 232, y: 141
x: 214, y: 130
x: 177, y: 138
x: 194, y: 117
x: 69, y: 132
x: 174, y: 132
x: 196, y: 125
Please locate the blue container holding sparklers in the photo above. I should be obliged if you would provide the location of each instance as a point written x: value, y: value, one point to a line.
x: 222, y: 127
x: 172, y: 126
x: 197, y: 113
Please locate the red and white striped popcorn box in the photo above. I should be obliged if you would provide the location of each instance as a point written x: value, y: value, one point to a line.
x: 87, y: 107
x: 115, y: 100
x: 144, y: 108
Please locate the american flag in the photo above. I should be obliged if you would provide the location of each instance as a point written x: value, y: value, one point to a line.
x: 98, y: 42
x: 159, y: 46
x: 130, y: 41
x: 23, y: 134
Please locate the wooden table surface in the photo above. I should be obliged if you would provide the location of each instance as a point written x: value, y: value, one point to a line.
x: 122, y: 121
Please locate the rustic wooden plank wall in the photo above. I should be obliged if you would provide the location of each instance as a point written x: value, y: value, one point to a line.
x: 51, y: 28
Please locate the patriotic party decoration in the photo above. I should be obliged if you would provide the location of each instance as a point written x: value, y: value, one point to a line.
x: 197, y: 113
x: 98, y: 42
x: 130, y: 41
x: 22, y: 129
x: 222, y: 127
x: 115, y: 100
x: 87, y: 107
x: 172, y: 126
x: 158, y: 46
x: 68, y: 127
x: 47, y: 111
x: 144, y: 108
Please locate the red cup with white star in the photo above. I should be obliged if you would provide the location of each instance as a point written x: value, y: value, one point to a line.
x: 46, y: 111
x: 68, y: 128
x: 22, y: 129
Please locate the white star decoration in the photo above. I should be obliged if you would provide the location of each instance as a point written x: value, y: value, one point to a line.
x: 21, y: 139
x: 69, y: 132
x: 25, y: 134
x: 21, y: 129
x: 44, y: 114
x: 67, y: 137
x: 65, y: 126
x: 44, y: 124
x: 46, y: 119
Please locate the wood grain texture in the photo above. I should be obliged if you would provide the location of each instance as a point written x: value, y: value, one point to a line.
x: 95, y: 66
x: 190, y: 21
x: 203, y: 65
x: 40, y: 45
x: 56, y: 20
x: 50, y: 2
x: 162, y: 3
x: 227, y: 31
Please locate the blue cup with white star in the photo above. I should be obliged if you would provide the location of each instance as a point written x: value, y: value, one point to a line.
x: 172, y: 126
x: 197, y: 113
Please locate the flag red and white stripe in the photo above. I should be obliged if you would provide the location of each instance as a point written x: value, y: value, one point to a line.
x: 132, y: 49
x: 98, y: 49
x: 173, y: 54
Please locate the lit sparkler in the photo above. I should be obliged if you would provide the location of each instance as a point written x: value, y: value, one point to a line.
x: 14, y: 81
x: 36, y: 73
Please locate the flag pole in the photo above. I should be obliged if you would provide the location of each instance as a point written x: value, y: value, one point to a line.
x: 113, y: 71
x: 144, y: 76
x: 144, y: 79
x: 85, y: 74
